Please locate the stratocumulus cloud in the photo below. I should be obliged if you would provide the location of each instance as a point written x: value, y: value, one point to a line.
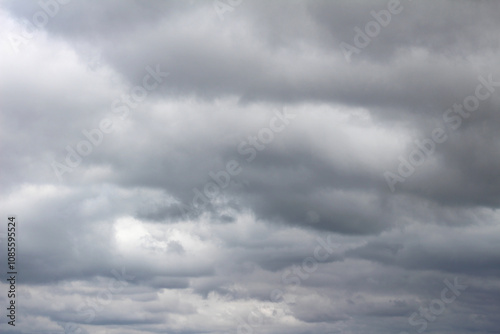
x: 251, y: 166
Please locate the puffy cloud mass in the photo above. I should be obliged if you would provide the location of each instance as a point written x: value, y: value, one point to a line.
x: 250, y: 166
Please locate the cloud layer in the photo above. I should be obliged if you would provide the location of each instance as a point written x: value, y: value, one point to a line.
x: 227, y: 166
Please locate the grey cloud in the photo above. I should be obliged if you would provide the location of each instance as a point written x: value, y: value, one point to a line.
x: 206, y: 267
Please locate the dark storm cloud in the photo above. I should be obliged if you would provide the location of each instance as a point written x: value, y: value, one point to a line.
x: 443, y: 249
x: 128, y: 204
x: 404, y: 85
x: 413, y: 83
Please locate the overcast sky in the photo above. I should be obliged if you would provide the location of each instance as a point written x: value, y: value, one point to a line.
x: 247, y: 166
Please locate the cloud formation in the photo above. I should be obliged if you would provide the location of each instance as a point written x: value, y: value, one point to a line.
x: 221, y: 167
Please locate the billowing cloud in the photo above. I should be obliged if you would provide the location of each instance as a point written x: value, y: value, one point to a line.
x: 251, y: 166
